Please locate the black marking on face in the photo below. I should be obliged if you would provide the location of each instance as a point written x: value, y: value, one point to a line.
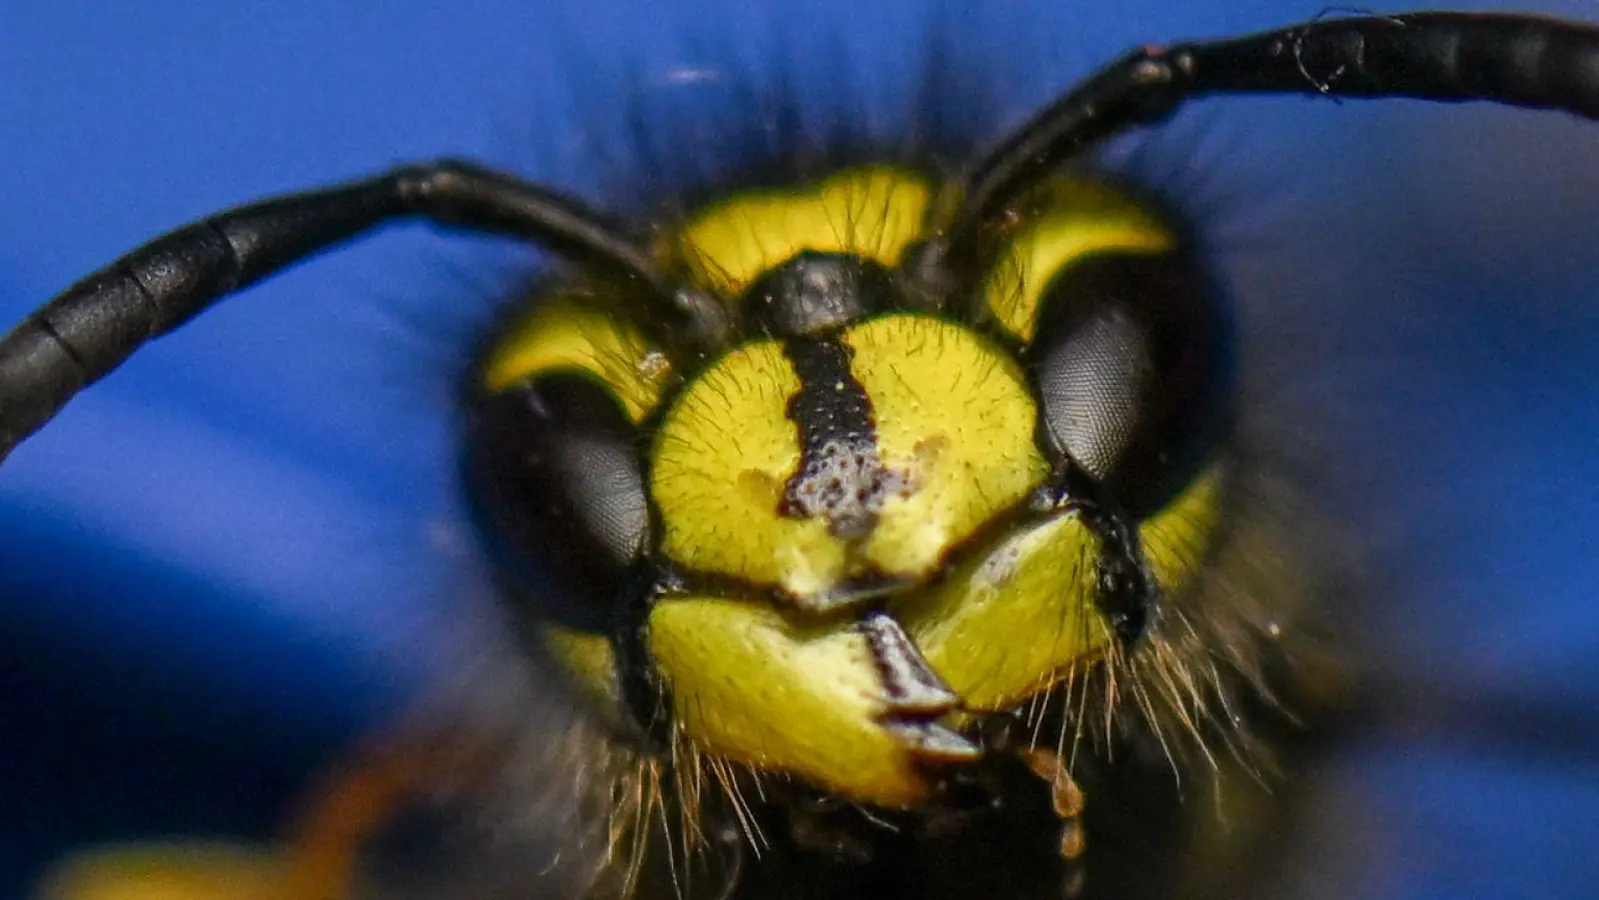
x: 917, y: 698
x: 1128, y: 594
x: 816, y: 293
x: 645, y: 694
x: 841, y: 477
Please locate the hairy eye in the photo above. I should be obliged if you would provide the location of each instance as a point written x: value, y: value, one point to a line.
x: 1131, y: 358
x: 553, y: 476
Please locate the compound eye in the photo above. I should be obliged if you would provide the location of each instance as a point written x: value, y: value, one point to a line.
x: 1130, y: 357
x: 553, y: 473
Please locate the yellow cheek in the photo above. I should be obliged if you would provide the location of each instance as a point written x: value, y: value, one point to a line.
x: 1016, y: 618
x: 954, y: 413
x: 1177, y: 540
x: 953, y: 416
x: 751, y: 685
x: 588, y: 662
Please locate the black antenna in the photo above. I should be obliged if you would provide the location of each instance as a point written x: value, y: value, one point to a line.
x: 1517, y: 60
x: 92, y: 327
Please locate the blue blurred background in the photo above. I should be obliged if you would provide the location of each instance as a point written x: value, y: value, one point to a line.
x: 242, y: 550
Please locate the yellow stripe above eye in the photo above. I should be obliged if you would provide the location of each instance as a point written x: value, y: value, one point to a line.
x: 565, y: 333
x: 1071, y: 220
x: 874, y: 212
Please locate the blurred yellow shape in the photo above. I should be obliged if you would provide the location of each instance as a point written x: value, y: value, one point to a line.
x: 192, y: 871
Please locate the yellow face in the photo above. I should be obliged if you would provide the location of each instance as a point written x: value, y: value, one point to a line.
x: 830, y: 547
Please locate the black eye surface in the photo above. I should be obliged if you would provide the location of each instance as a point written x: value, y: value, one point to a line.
x: 553, y: 476
x: 1132, y: 360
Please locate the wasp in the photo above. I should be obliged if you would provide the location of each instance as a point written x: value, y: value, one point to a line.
x: 776, y: 486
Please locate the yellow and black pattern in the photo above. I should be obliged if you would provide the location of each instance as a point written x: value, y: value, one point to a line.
x: 883, y: 503
x: 884, y: 544
x: 950, y: 446
x: 851, y: 475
